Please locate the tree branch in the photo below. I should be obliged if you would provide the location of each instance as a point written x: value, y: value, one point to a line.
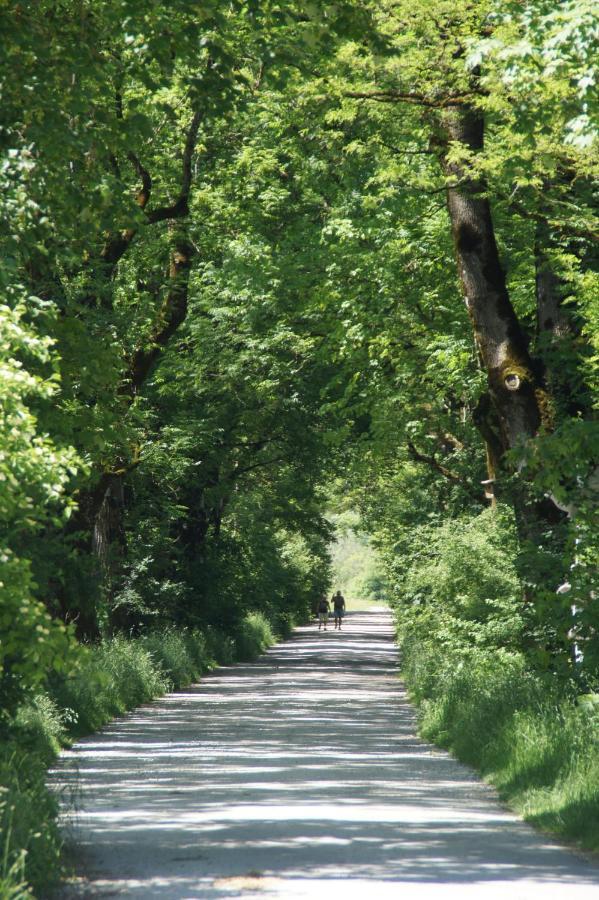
x: 442, y: 470
x: 416, y: 99
x: 171, y: 315
x: 117, y: 244
x: 434, y: 464
x: 242, y: 470
x: 405, y: 152
x: 180, y: 207
x: 146, y: 180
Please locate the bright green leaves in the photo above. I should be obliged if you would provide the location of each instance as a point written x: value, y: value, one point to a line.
x: 322, y: 332
x: 35, y: 475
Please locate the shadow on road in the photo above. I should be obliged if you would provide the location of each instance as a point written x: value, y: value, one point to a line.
x: 303, y: 766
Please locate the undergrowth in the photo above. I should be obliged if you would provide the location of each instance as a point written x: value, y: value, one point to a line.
x: 529, y: 730
x: 112, y: 677
x: 536, y: 743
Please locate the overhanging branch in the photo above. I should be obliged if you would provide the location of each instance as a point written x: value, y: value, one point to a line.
x: 415, y: 99
x: 442, y: 470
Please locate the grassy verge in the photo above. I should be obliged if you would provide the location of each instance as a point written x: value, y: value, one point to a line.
x: 115, y: 676
x: 536, y: 744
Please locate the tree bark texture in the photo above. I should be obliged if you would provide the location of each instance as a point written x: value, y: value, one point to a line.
x: 108, y: 529
x: 171, y: 315
x: 560, y: 346
x: 514, y: 386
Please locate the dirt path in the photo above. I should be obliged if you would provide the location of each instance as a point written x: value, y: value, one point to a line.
x: 300, y: 775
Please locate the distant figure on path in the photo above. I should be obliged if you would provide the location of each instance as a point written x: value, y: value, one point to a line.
x: 323, y: 612
x: 338, y: 608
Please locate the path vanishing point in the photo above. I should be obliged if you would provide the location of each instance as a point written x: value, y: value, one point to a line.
x: 298, y: 776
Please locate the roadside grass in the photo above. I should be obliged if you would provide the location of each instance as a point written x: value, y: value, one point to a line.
x: 30, y: 844
x: 538, y: 745
x: 255, y: 635
x: 113, y: 677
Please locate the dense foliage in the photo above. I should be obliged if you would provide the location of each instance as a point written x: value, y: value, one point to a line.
x: 253, y: 256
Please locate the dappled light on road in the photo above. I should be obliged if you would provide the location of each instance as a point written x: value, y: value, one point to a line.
x: 299, y: 775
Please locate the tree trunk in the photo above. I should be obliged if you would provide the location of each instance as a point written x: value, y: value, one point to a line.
x: 518, y: 403
x: 99, y: 519
x: 559, y: 343
x: 108, y: 529
x: 514, y: 385
x: 78, y: 597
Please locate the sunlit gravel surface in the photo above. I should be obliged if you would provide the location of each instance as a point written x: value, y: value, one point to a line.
x: 297, y: 776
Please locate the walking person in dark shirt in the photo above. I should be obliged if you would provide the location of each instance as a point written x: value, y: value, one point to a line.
x: 323, y: 612
x: 338, y: 608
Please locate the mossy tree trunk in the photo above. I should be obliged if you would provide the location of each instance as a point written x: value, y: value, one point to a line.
x: 515, y: 387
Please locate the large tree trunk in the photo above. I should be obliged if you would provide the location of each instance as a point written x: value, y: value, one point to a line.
x: 559, y: 344
x: 514, y: 386
x: 517, y: 403
x: 108, y: 529
x: 78, y: 596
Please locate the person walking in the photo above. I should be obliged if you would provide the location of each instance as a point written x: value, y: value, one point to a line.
x: 338, y: 608
x: 323, y: 612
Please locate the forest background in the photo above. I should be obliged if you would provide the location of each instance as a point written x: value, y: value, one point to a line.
x: 260, y: 261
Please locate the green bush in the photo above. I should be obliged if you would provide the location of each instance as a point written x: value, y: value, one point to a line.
x: 116, y: 676
x: 467, y: 665
x: 254, y: 636
x: 39, y: 727
x: 170, y: 651
x: 220, y: 646
x: 30, y: 843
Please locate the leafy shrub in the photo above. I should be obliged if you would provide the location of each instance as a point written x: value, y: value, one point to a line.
x: 116, y: 676
x: 255, y: 635
x: 220, y: 646
x: 465, y: 661
x: 467, y: 574
x: 170, y: 651
x: 39, y: 727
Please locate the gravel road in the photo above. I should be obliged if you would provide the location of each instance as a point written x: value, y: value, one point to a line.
x: 298, y: 776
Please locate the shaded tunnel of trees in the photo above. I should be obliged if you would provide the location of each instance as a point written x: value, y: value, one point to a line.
x: 263, y: 261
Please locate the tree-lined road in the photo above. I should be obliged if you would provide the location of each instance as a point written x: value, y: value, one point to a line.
x: 299, y: 776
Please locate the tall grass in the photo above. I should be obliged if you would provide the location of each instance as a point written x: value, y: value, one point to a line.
x: 254, y: 635
x: 30, y: 844
x: 113, y: 677
x: 537, y: 744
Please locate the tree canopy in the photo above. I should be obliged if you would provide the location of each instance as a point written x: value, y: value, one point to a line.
x: 260, y: 261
